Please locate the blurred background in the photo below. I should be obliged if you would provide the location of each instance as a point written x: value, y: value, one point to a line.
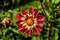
x: 49, y: 8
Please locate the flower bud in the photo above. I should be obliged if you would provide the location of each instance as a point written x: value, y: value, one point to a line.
x: 6, y: 22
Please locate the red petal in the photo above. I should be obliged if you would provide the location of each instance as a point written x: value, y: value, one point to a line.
x: 40, y: 23
x: 18, y: 16
x: 35, y: 31
x: 18, y: 22
x: 31, y: 10
x: 21, y: 27
x: 36, y: 12
x: 29, y: 32
x: 39, y: 28
x: 23, y: 12
x: 24, y: 30
x: 41, y: 18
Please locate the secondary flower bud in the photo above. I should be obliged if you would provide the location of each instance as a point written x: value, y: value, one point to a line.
x: 6, y: 22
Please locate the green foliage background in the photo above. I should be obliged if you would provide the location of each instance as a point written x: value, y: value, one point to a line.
x: 49, y: 8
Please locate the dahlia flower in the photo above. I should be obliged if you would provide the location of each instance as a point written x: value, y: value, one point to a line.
x: 30, y: 22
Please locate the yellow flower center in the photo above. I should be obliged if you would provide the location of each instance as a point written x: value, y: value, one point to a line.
x: 30, y: 21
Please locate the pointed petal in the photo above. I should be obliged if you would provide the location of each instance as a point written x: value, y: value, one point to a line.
x: 23, y: 12
x: 24, y: 31
x: 39, y: 28
x: 40, y: 23
x: 29, y: 32
x: 41, y: 18
x: 4, y: 23
x: 18, y: 22
x: 31, y: 10
x: 18, y: 16
x: 36, y: 12
x: 7, y: 21
x: 35, y: 31
x: 21, y: 27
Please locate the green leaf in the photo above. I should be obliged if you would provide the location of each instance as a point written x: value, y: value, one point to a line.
x: 47, y: 14
x: 12, y: 11
x: 55, y: 34
x: 55, y: 1
x: 5, y: 4
x: 18, y: 1
x: 5, y: 38
x: 15, y: 31
x: 13, y: 1
x: 58, y: 19
x: 35, y: 4
x: 4, y: 31
x: 34, y: 38
x: 7, y: 14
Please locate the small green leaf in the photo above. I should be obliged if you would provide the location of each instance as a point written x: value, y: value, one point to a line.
x: 18, y: 1
x: 16, y: 31
x: 5, y: 4
x: 4, y: 31
x: 55, y: 1
x: 47, y: 14
x: 34, y: 38
x: 35, y: 4
x: 13, y: 1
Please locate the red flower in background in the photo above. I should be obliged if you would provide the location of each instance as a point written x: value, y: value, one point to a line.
x: 30, y: 22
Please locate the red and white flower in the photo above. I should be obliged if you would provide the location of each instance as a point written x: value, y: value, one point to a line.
x: 6, y: 22
x: 30, y: 22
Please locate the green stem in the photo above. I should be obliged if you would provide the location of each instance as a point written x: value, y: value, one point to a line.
x: 49, y: 32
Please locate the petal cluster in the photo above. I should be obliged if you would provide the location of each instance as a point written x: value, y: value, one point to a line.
x: 6, y: 22
x: 30, y: 22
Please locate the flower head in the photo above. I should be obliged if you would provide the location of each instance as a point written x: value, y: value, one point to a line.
x: 6, y: 22
x: 30, y: 22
